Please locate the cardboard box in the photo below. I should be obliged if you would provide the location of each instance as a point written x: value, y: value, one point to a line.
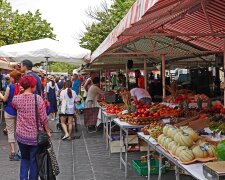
x: 116, y: 149
x: 132, y: 139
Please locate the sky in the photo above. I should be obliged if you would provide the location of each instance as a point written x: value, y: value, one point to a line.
x: 67, y: 17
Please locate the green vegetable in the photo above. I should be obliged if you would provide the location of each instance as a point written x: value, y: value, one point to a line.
x: 221, y: 151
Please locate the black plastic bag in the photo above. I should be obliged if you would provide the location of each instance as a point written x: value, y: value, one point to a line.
x: 44, y: 165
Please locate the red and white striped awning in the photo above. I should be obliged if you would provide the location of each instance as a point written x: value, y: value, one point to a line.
x: 198, y: 23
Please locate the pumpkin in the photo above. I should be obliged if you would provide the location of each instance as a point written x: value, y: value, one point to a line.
x: 186, y: 155
x: 179, y: 149
x: 193, y: 134
x: 210, y: 148
x: 200, y: 152
x: 160, y: 138
x: 166, y: 128
x: 171, y: 144
x: 185, y: 140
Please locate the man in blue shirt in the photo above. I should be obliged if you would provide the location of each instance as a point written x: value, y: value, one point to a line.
x: 26, y: 67
x: 76, y: 84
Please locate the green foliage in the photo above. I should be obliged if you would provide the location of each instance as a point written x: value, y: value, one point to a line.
x: 106, y: 21
x: 16, y: 28
x: 61, y: 67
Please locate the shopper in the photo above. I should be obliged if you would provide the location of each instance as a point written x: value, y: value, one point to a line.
x: 140, y: 94
x: 26, y: 67
x: 88, y: 84
x: 7, y: 82
x: 76, y: 84
x: 68, y: 96
x: 10, y: 113
x: 26, y: 128
x: 61, y: 82
x: 93, y: 93
x: 52, y: 90
x: 140, y: 80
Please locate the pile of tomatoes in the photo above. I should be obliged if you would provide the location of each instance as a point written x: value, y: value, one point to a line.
x: 113, y: 109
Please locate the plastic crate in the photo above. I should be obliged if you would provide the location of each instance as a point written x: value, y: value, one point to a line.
x: 142, y: 167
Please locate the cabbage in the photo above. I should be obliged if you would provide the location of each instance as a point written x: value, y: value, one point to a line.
x: 221, y: 151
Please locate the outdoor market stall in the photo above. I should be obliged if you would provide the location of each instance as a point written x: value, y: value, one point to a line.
x: 166, y: 32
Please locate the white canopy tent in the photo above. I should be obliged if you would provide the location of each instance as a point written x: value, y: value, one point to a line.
x: 45, y: 49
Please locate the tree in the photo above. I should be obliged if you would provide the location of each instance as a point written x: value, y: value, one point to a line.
x: 16, y: 28
x: 105, y: 21
x: 61, y: 67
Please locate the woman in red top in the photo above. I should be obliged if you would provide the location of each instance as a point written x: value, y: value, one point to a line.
x: 26, y: 129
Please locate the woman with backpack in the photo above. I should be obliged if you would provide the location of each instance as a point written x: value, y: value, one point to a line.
x: 67, y: 98
x: 10, y: 113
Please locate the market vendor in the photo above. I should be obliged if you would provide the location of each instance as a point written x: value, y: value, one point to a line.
x: 140, y: 80
x: 141, y: 95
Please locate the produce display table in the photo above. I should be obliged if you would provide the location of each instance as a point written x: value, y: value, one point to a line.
x: 195, y: 170
x: 124, y: 127
x: 107, y: 123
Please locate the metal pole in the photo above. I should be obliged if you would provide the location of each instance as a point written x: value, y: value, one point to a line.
x: 105, y: 81
x: 149, y: 162
x: 126, y: 76
x: 46, y: 75
x: 163, y: 77
x: 145, y: 73
x: 224, y: 71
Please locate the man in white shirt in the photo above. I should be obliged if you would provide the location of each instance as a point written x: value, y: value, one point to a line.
x: 141, y: 95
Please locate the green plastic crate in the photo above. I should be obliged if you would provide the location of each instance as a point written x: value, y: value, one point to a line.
x: 142, y: 167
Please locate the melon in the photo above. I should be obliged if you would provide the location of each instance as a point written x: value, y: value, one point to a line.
x: 186, y: 155
x: 185, y: 140
x: 179, y: 149
x: 174, y: 148
x: 210, y: 148
x: 193, y: 134
x: 171, y: 144
x: 166, y: 128
x: 167, y: 141
x: 200, y: 152
x: 160, y: 138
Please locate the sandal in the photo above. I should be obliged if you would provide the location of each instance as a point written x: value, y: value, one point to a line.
x: 65, y: 137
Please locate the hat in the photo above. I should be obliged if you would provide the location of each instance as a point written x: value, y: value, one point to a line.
x: 51, y: 78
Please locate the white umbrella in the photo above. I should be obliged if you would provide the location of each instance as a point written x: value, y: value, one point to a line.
x: 42, y: 49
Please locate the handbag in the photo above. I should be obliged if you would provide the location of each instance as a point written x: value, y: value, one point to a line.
x: 42, y: 137
x: 54, y: 163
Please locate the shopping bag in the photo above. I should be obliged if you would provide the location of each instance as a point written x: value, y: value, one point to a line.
x: 63, y: 107
x: 44, y: 165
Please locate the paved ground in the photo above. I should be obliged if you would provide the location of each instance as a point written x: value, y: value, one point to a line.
x: 81, y: 159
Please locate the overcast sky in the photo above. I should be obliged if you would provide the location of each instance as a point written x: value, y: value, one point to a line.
x: 67, y: 17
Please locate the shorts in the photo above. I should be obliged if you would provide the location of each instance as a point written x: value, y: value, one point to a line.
x: 66, y: 115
